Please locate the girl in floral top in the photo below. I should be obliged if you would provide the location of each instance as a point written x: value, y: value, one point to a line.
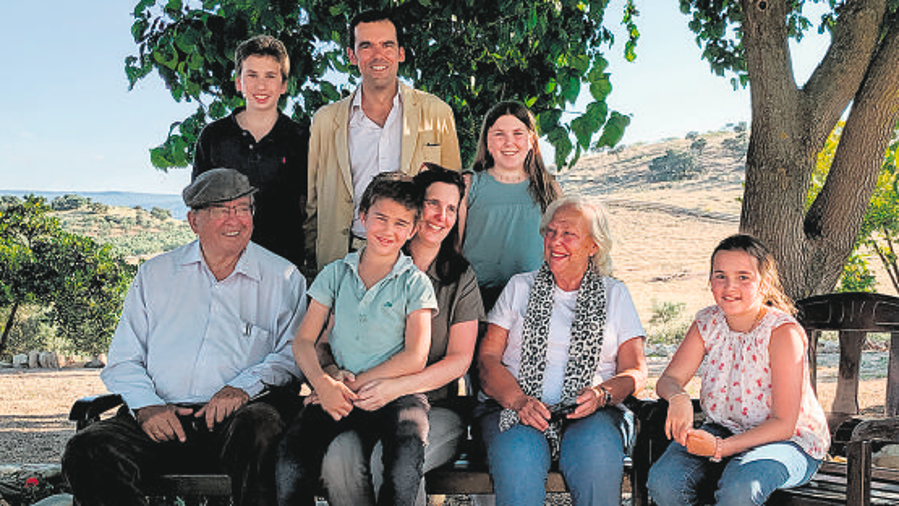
x: 765, y: 429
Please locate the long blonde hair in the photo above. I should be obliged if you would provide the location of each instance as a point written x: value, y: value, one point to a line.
x: 772, y: 290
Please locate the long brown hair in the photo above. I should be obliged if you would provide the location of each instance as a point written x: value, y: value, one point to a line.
x: 772, y: 290
x: 541, y: 181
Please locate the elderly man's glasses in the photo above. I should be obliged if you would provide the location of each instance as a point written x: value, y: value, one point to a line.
x: 220, y: 211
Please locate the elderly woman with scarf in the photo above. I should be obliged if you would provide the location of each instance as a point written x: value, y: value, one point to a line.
x: 563, y: 348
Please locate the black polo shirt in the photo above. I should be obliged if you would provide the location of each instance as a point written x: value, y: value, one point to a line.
x: 276, y: 165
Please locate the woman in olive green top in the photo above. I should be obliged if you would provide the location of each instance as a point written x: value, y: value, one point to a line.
x: 345, y: 470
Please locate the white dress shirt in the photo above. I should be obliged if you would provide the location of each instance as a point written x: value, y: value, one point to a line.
x: 183, y: 335
x: 373, y: 149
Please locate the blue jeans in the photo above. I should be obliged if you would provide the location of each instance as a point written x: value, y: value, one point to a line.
x: 592, y: 459
x: 748, y: 478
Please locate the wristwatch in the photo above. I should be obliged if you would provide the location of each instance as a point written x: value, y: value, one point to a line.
x: 605, y: 394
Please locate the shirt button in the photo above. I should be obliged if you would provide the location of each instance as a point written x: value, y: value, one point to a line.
x: 345, y: 231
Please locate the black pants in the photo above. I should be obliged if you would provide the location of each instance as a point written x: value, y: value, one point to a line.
x: 106, y: 463
x: 401, y: 426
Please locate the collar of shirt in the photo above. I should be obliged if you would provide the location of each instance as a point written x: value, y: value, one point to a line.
x: 403, y: 263
x: 245, y: 266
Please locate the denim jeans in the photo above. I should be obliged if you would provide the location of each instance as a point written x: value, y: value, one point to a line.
x: 748, y: 478
x: 351, y: 475
x: 106, y: 463
x: 401, y: 426
x: 591, y: 460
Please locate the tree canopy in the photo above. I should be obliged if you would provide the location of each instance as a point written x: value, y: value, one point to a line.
x: 748, y: 40
x: 81, y: 281
x: 470, y: 53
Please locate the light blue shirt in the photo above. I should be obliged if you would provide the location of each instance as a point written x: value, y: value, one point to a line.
x: 369, y: 325
x: 183, y: 336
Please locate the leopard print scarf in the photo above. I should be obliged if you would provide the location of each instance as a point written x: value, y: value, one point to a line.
x: 583, y: 351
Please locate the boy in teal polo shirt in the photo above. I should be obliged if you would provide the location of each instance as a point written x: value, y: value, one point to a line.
x: 381, y: 306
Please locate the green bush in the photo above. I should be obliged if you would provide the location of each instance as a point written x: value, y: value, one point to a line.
x: 667, y: 325
x: 68, y: 202
x: 673, y: 166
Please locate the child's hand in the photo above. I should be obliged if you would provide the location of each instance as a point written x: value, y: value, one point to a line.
x: 336, y: 399
x: 701, y: 443
x: 341, y: 375
x: 376, y: 394
x: 680, y: 418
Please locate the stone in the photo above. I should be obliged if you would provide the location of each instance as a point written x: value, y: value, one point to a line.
x: 56, y: 500
x: 34, y: 359
x: 888, y: 456
x: 20, y: 360
x: 49, y: 360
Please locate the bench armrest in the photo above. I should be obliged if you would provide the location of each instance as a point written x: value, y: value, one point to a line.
x: 87, y: 410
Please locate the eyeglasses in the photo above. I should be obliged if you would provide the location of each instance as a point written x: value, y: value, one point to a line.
x: 219, y: 211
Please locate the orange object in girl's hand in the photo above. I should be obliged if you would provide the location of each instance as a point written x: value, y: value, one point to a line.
x: 700, y: 442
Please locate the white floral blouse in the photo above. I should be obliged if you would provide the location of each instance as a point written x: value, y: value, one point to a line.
x: 736, y: 379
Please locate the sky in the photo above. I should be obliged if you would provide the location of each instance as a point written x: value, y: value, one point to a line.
x: 71, y: 124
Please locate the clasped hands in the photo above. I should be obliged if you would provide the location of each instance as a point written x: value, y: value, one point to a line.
x: 536, y: 414
x: 343, y: 392
x: 161, y: 422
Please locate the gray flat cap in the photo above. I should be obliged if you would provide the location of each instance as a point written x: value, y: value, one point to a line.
x: 215, y: 186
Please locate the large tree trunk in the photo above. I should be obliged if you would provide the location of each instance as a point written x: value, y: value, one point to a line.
x: 791, y: 125
x: 9, y: 323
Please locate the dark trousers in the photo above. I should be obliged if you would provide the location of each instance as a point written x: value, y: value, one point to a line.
x: 401, y: 426
x: 106, y: 463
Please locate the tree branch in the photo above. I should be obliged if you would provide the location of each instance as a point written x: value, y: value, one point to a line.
x: 838, y: 209
x: 837, y: 78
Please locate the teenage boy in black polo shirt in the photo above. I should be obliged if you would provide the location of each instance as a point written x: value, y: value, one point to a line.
x: 264, y: 144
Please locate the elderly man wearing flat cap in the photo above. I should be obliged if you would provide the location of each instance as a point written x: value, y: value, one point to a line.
x: 204, y: 331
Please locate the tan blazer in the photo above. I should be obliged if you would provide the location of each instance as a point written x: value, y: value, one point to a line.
x: 429, y: 135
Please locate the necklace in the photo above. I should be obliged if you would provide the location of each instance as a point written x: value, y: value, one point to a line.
x: 758, y: 317
x: 515, y: 178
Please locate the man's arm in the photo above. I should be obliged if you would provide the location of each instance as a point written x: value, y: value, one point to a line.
x: 312, y: 167
x: 127, y: 375
x: 126, y: 371
x: 449, y: 152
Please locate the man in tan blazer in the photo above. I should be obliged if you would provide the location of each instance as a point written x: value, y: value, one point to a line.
x: 383, y: 126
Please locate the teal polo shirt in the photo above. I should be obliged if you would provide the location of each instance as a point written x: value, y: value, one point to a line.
x: 369, y: 325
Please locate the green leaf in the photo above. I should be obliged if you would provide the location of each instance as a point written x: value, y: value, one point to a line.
x: 613, y: 130
x: 600, y: 87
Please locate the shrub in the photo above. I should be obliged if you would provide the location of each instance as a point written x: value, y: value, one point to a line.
x: 667, y: 325
x: 673, y: 166
x: 68, y: 202
x: 160, y: 213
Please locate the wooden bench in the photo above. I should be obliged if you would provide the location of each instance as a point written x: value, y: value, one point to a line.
x: 467, y: 474
x: 855, y: 483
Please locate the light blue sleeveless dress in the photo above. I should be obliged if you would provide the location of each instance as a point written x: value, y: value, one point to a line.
x: 502, y: 231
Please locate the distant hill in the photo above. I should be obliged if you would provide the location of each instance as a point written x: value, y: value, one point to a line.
x: 117, y: 198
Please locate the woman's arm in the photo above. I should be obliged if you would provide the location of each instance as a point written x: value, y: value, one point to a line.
x: 671, y: 384
x: 335, y: 397
x: 459, y: 350
x: 411, y: 359
x: 630, y: 377
x: 786, y: 351
x: 499, y: 383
